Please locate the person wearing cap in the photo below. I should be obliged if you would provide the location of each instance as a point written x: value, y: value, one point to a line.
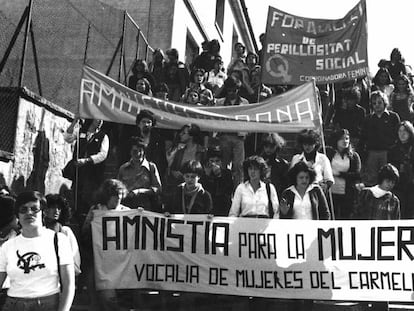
x: 39, y: 262
x: 141, y: 178
x: 218, y: 181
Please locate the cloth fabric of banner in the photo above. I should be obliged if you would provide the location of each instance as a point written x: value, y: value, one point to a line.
x: 298, y: 49
x: 103, y: 98
x: 328, y: 260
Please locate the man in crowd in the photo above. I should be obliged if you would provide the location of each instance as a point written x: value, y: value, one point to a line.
x: 379, y: 133
x: 232, y: 144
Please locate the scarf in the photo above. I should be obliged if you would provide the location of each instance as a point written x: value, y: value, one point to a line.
x: 189, y: 193
x: 310, y: 156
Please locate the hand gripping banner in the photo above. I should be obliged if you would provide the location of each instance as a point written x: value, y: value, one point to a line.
x: 103, y: 98
x: 298, y: 49
x: 302, y: 259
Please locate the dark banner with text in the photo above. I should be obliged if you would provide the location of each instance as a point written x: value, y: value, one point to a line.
x: 328, y: 260
x: 298, y: 49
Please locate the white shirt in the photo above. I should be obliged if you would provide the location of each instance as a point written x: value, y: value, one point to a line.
x: 216, y: 79
x: 31, y: 264
x: 322, y: 166
x: 247, y: 202
x: 302, y: 207
x: 74, y: 247
x: 339, y: 165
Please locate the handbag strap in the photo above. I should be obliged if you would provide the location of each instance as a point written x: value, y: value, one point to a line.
x: 55, y: 242
x: 269, y: 205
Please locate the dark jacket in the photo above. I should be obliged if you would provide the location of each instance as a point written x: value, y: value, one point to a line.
x: 402, y: 157
x: 380, y: 133
x: 368, y: 206
x: 320, y: 209
x: 90, y: 171
x: 221, y: 189
x: 202, y: 203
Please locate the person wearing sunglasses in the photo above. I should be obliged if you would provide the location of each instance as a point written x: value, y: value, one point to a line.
x: 38, y: 262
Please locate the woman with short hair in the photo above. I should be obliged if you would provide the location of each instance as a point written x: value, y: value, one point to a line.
x: 39, y: 262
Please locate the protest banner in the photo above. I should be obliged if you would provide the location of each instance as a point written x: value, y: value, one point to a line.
x: 105, y: 99
x: 298, y: 49
x: 328, y: 260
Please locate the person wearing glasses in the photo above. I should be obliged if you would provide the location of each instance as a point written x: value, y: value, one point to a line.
x: 38, y: 262
x: 378, y: 135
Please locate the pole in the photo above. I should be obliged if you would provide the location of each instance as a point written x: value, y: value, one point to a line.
x: 318, y: 101
x: 26, y: 32
x: 121, y: 58
x: 137, y: 48
x: 14, y: 38
x: 85, y: 54
x: 39, y: 85
x: 76, y: 181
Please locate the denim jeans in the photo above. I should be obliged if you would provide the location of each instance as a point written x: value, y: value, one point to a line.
x: 47, y: 303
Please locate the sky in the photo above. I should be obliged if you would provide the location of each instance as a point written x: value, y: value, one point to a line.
x: 390, y: 23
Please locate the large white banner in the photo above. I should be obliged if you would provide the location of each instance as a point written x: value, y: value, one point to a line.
x: 329, y: 260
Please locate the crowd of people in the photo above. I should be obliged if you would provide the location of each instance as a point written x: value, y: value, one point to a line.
x: 365, y: 172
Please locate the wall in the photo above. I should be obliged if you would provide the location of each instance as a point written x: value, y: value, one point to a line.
x: 40, y: 151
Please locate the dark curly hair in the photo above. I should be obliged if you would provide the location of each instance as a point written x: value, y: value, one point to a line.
x: 298, y: 168
x: 110, y: 188
x: 308, y: 137
x: 60, y: 201
x: 145, y: 114
x: 388, y: 171
x: 255, y: 161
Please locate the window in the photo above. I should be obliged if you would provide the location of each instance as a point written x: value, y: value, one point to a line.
x: 234, y: 40
x: 191, y: 49
x: 220, y: 15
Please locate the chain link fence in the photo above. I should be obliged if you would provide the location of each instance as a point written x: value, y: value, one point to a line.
x: 67, y: 34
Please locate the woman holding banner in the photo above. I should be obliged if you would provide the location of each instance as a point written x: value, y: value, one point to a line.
x: 110, y: 195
